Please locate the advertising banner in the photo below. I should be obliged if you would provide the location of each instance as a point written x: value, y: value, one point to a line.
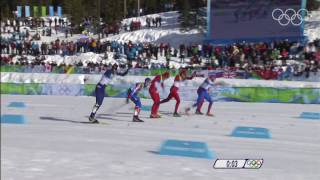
x: 62, y: 89
x: 187, y: 93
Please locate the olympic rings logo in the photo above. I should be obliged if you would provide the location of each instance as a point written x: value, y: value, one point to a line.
x: 64, y: 90
x: 289, y: 16
x: 255, y: 164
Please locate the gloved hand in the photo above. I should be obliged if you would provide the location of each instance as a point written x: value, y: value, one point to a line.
x: 128, y: 97
x: 194, y: 74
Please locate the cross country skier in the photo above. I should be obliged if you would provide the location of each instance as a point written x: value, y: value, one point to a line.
x: 159, y: 79
x: 133, y: 96
x: 174, y: 90
x: 100, y: 89
x: 203, y: 94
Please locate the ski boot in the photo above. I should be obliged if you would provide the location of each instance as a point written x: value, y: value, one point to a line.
x: 187, y: 111
x: 155, y: 116
x: 199, y: 112
x: 209, y: 114
x: 176, y: 114
x: 136, y: 119
x: 93, y: 120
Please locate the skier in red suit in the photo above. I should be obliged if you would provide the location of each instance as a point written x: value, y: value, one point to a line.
x: 174, y: 90
x: 159, y: 79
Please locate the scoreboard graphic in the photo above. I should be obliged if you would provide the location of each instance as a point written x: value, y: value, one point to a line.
x: 238, y: 164
x: 231, y: 21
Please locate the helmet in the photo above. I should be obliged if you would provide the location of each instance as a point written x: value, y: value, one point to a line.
x: 115, y: 66
x: 147, y: 80
x: 183, y: 72
x: 165, y: 75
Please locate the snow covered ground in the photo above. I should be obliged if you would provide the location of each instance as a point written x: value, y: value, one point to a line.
x: 169, y: 32
x: 55, y: 143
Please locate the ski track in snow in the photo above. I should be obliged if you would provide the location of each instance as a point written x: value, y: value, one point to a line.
x: 53, y: 144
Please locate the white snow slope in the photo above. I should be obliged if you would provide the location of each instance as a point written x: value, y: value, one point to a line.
x: 170, y: 31
x: 55, y: 143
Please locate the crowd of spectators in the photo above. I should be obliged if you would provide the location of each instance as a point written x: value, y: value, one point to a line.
x: 249, y: 57
x: 151, y: 22
x: 46, y: 24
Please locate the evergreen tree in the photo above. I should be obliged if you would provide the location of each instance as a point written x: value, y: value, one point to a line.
x: 190, y: 14
x: 5, y: 12
x: 151, y: 6
x: 313, y: 5
x: 112, y: 11
x: 74, y: 9
x: 185, y: 17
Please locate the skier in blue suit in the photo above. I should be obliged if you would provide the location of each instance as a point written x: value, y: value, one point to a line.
x: 100, y: 89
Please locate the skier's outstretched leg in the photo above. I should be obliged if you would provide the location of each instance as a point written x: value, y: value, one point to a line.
x: 100, y: 93
x: 209, y: 99
x: 198, y: 103
x: 200, y: 100
x: 177, y: 98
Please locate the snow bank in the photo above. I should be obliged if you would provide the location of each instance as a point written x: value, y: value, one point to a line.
x: 85, y: 58
x: 169, y: 32
x: 91, y: 57
x: 168, y: 19
x: 42, y: 78
x: 172, y: 36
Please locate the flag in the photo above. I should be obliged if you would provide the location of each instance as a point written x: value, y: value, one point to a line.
x: 51, y: 11
x: 27, y: 9
x: 216, y: 73
x: 35, y: 11
x: 59, y: 11
x: 241, y: 74
x: 43, y: 11
x: 229, y: 74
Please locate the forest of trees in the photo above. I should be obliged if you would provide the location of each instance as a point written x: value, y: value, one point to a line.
x: 109, y: 10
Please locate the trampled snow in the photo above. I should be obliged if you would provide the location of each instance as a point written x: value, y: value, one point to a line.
x: 56, y: 143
